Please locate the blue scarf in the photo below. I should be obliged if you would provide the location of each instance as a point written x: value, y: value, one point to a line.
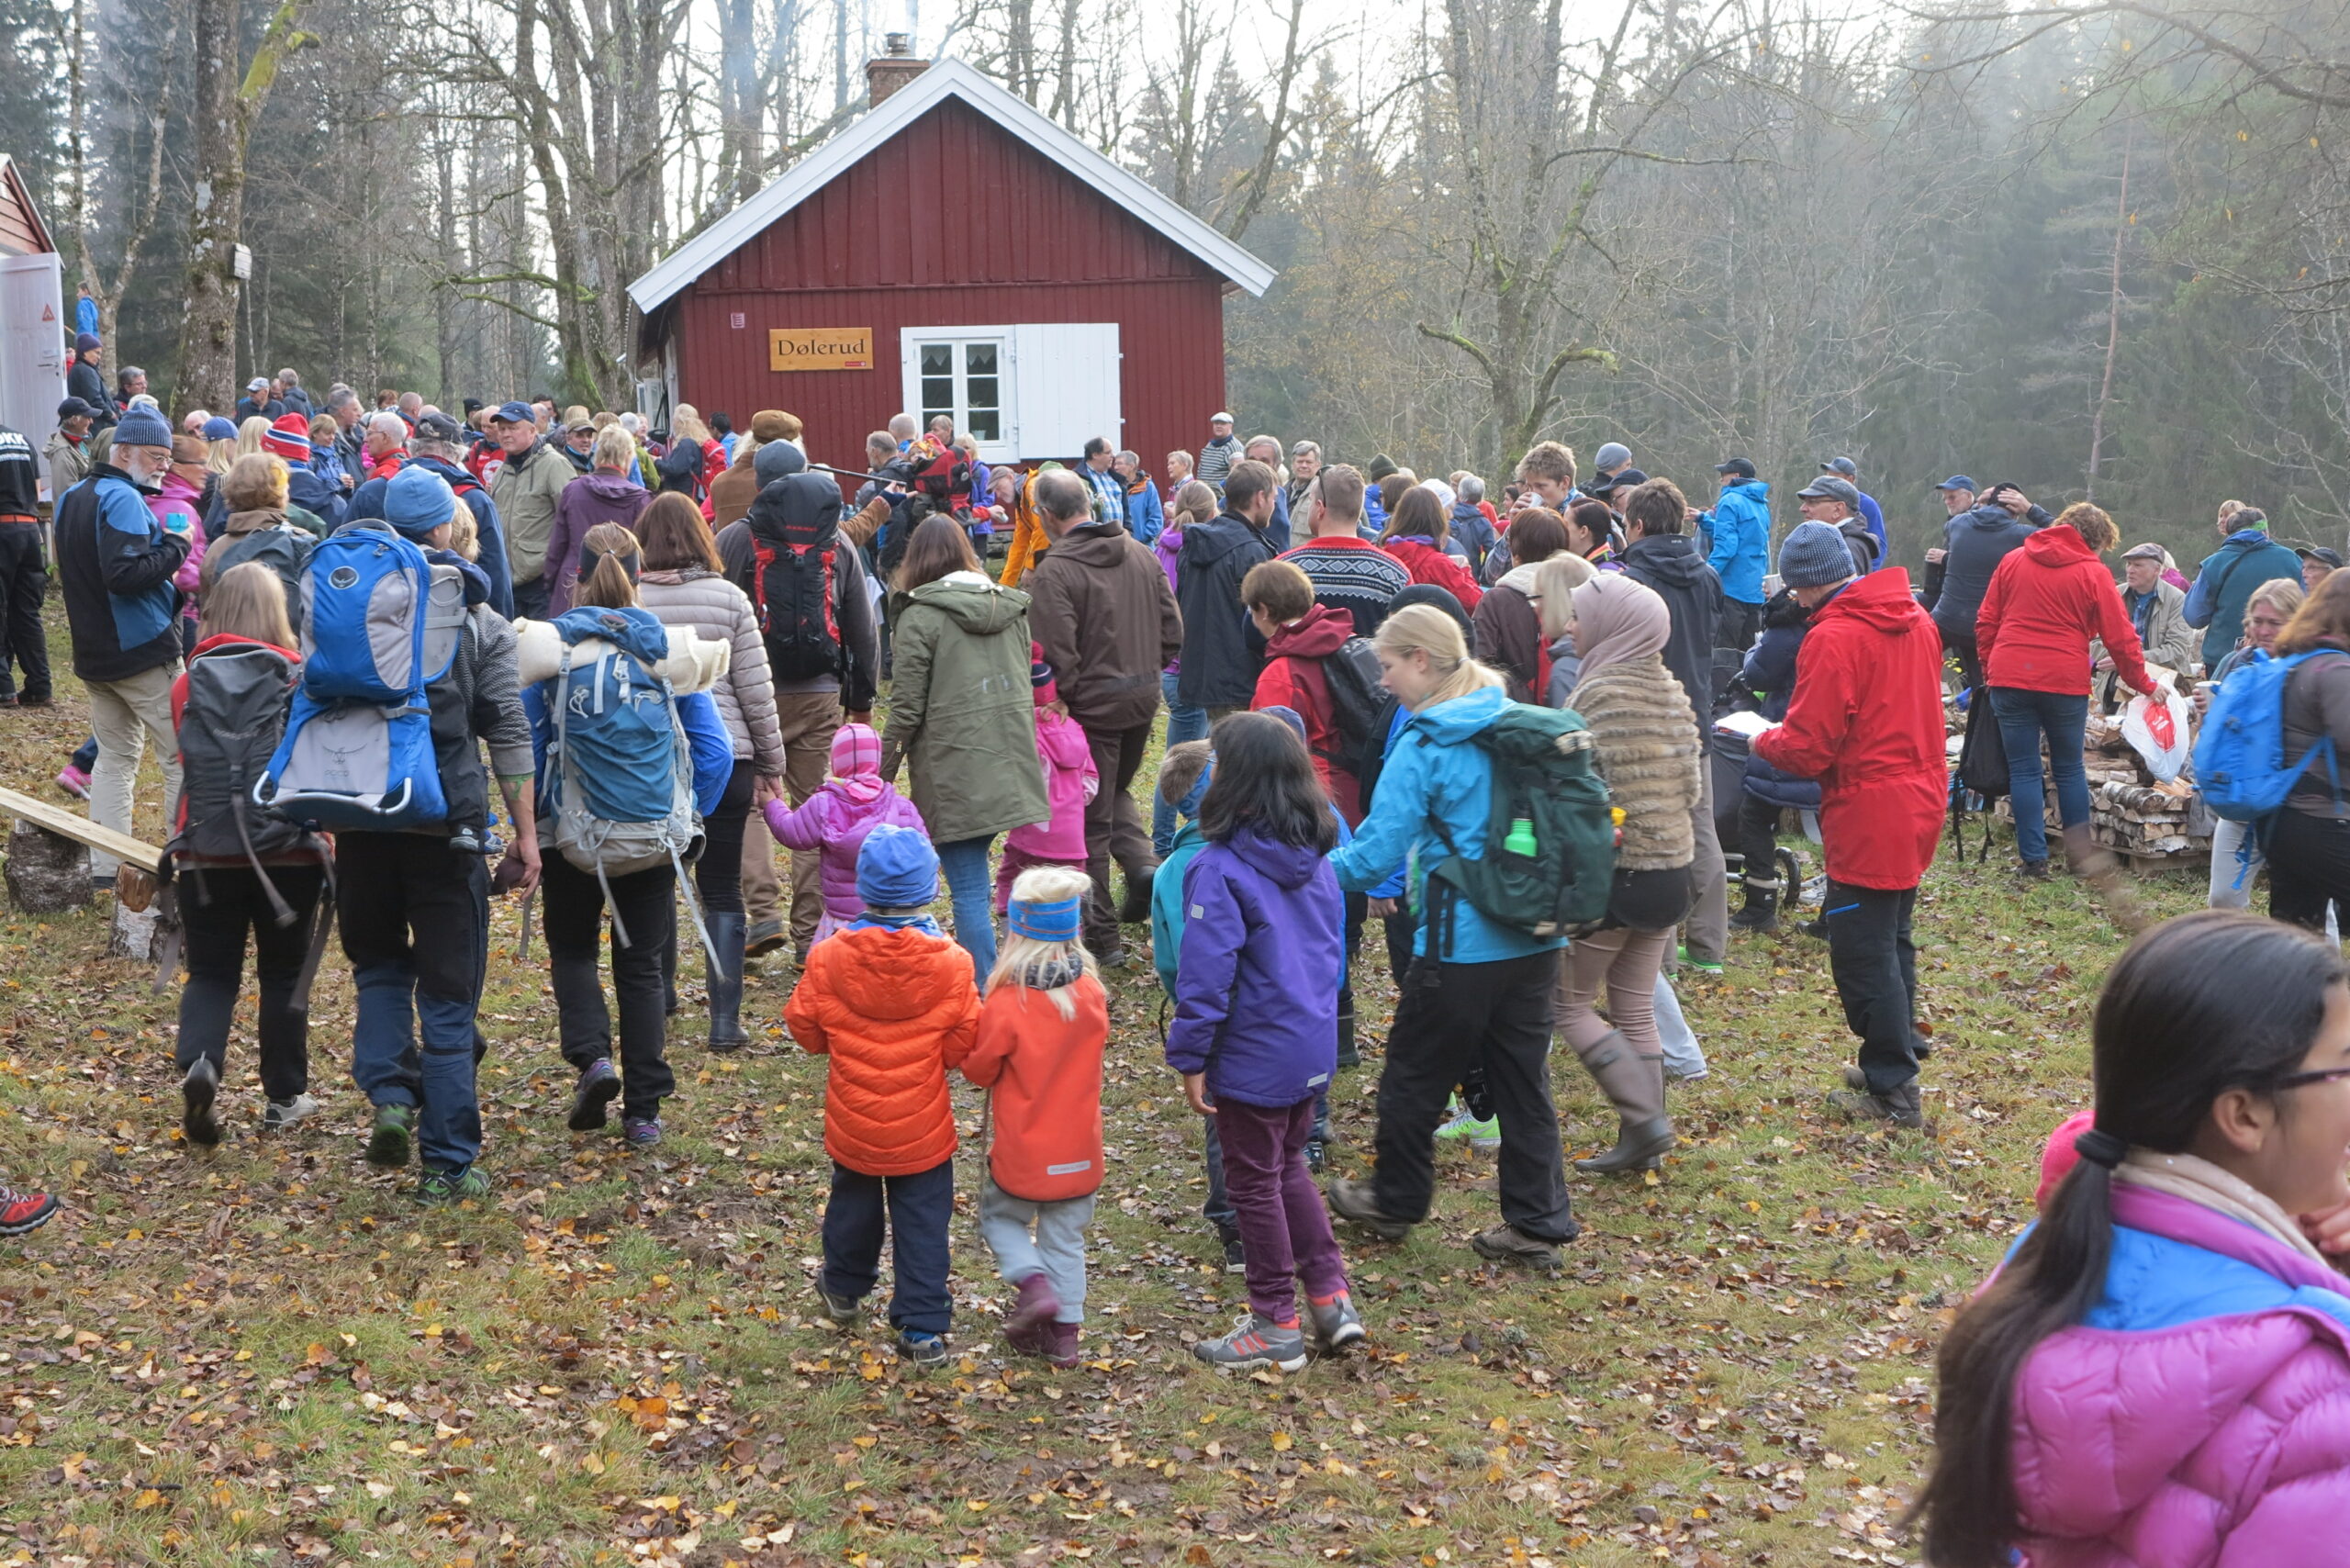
x: 921, y: 921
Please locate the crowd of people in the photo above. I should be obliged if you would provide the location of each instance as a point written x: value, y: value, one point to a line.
x: 400, y: 661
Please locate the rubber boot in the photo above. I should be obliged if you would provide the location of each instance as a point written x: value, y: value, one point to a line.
x: 1636, y: 1086
x: 1762, y: 910
x: 726, y: 933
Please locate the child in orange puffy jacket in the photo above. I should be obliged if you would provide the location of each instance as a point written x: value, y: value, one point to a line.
x: 1041, y: 1037
x: 893, y: 1001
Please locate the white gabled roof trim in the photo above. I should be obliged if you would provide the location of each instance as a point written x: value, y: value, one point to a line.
x: 945, y: 78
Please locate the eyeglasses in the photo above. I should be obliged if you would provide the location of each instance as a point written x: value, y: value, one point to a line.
x: 2303, y: 1079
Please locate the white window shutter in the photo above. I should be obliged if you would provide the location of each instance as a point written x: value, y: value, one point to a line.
x: 1066, y: 387
x: 909, y: 368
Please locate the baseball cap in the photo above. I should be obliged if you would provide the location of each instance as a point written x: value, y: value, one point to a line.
x: 1830, y: 490
x: 2333, y: 559
x: 2153, y: 552
x: 258, y: 383
x: 438, y: 426
x: 1740, y: 466
x: 73, y: 409
x: 515, y: 413
x: 1219, y: 419
x: 1958, y: 482
x: 1843, y: 465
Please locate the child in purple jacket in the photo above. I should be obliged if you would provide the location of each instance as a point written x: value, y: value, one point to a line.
x: 836, y: 820
x: 1256, y: 986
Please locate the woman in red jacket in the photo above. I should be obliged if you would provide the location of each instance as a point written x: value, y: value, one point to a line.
x: 2046, y: 601
x: 1416, y: 535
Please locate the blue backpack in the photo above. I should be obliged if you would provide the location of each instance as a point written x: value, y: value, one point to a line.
x: 2240, y: 756
x: 618, y: 778
x: 380, y: 624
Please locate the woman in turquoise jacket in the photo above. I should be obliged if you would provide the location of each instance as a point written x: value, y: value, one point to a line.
x: 1483, y: 999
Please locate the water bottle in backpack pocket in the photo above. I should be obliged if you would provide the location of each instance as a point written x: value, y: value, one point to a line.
x: 381, y: 625
x: 1549, y: 863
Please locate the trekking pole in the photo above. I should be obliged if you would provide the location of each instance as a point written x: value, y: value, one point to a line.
x: 522, y: 949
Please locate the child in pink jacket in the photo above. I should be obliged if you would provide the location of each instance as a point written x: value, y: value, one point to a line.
x: 1070, y: 780
x: 835, y: 820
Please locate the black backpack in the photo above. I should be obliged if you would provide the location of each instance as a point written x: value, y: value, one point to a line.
x: 1359, y: 707
x: 792, y: 584
x: 1982, y: 770
x: 284, y: 549
x: 238, y: 698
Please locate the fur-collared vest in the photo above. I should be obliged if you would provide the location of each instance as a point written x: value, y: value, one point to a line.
x: 1647, y: 739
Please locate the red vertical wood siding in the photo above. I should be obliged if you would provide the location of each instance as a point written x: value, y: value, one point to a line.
x: 953, y: 222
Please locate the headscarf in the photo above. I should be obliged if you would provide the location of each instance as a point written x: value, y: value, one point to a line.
x: 856, y: 763
x: 1618, y: 621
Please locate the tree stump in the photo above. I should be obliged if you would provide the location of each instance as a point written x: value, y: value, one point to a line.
x: 47, y: 873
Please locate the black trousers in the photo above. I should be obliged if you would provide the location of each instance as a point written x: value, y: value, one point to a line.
x: 1875, y: 965
x: 645, y: 902
x: 1758, y: 839
x: 2308, y: 866
x: 1737, y: 624
x: 718, y: 874
x: 220, y: 905
x: 1453, y: 1017
x: 1970, y: 663
x: 411, y: 902
x: 531, y: 598
x: 24, y: 583
x: 912, y: 1212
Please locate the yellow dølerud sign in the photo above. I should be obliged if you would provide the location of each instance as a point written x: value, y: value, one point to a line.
x: 820, y: 348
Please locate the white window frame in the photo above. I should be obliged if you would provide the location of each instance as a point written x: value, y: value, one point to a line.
x: 1076, y: 392
x: 912, y: 341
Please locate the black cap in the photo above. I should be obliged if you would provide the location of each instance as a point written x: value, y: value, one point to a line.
x: 2333, y: 559
x: 438, y: 426
x: 74, y: 408
x: 1738, y: 465
x: 473, y: 406
x: 1830, y: 488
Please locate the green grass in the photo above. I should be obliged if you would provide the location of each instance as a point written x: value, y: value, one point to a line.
x: 265, y: 1354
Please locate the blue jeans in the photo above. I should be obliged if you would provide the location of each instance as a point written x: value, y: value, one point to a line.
x: 2024, y: 717
x: 1182, y: 724
x: 964, y: 864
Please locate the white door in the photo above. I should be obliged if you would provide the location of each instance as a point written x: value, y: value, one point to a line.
x: 33, y: 331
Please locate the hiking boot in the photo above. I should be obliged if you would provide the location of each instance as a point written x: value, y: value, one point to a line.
x: 1634, y: 1084
x: 1334, y: 1325
x: 1317, y: 1154
x: 1902, y: 1106
x: 1236, y: 1257
x: 598, y: 1087
x: 1024, y: 1325
x: 198, y: 1090
x: 74, y: 782
x: 1136, y: 910
x: 1703, y: 966
x: 281, y: 1114
x: 24, y: 1212
x: 840, y: 1309
x: 1761, y: 912
x: 387, y: 1140
x: 922, y: 1349
x: 640, y: 1132
x: 1352, y: 1201
x: 2033, y: 871
x: 1507, y: 1244
x: 763, y: 938
x: 442, y: 1188
x: 1350, y: 1050
x: 725, y: 983
x: 1254, y: 1342
x: 1817, y: 929
x: 1060, y: 1345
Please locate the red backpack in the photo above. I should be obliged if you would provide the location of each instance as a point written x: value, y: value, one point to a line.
x: 791, y: 583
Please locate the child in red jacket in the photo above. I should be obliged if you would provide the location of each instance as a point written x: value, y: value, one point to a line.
x: 1042, y: 1032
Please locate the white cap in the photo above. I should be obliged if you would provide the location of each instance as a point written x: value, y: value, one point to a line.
x: 1219, y: 419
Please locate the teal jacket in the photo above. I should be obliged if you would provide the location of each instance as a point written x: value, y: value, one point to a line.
x: 1436, y: 773
x: 1167, y: 903
x: 2223, y: 589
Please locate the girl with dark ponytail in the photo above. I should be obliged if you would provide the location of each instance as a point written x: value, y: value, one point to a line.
x: 2160, y: 1372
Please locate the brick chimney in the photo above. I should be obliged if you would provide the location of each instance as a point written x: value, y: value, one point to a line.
x: 895, y: 67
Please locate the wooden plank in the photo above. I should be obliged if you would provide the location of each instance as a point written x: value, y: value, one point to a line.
x: 82, y: 830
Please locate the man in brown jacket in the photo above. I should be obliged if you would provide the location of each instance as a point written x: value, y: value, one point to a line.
x: 1099, y: 606
x: 731, y: 493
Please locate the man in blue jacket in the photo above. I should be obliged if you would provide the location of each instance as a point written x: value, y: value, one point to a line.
x: 1872, y: 515
x: 114, y: 563
x: 1738, y: 535
x: 2246, y: 558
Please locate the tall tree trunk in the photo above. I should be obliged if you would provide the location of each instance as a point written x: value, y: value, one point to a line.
x: 228, y: 102
x: 2113, y: 329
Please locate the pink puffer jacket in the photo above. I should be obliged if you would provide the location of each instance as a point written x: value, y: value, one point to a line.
x: 836, y: 820
x: 1070, y: 780
x: 2222, y: 1441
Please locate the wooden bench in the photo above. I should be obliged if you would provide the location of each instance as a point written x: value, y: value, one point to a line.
x: 72, y: 824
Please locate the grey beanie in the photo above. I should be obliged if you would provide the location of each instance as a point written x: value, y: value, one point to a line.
x: 1814, y: 554
x: 142, y: 427
x: 1615, y: 454
x: 776, y: 460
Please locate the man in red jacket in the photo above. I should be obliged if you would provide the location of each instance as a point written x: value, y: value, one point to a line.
x: 1866, y: 721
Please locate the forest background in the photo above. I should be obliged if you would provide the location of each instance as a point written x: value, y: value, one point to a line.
x: 2094, y: 249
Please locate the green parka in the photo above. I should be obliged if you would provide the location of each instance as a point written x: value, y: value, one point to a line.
x: 962, y: 711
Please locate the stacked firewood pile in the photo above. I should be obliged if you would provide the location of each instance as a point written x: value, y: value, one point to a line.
x: 2158, y: 827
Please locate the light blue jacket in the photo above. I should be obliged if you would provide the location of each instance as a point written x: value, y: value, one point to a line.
x: 1436, y: 773
x: 1739, y: 531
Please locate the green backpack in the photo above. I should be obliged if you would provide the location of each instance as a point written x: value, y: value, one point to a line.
x: 1549, y: 860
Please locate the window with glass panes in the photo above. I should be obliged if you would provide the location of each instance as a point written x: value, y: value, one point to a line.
x: 962, y: 378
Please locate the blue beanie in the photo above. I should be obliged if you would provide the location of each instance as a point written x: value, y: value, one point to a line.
x: 896, y: 869
x: 417, y: 500
x: 142, y: 427
x: 1814, y: 554
x: 778, y: 460
x: 217, y: 429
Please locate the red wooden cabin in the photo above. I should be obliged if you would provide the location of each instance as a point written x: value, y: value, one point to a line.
x: 952, y: 252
